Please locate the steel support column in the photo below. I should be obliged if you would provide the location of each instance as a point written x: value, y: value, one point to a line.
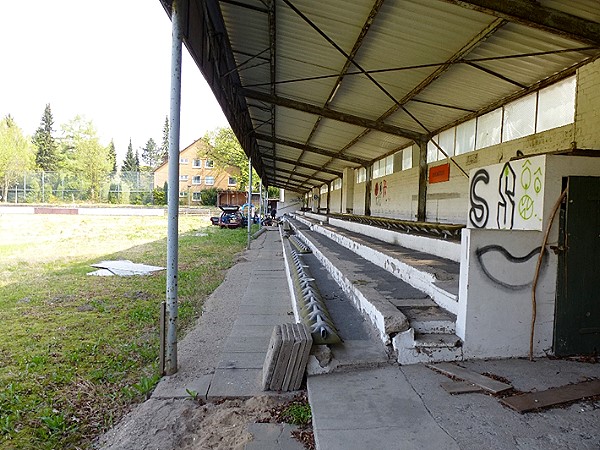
x: 173, y: 193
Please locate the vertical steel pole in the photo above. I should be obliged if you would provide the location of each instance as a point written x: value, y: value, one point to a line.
x: 260, y: 202
x: 173, y: 194
x: 249, y: 199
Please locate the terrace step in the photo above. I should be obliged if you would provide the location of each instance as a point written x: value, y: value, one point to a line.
x: 418, y: 329
x: 437, y: 277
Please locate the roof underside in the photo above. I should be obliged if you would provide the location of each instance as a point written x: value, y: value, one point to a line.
x: 313, y: 87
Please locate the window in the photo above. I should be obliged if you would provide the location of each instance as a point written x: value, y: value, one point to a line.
x: 183, y: 160
x: 519, y: 118
x: 556, y: 105
x: 196, y: 196
x: 447, y: 142
x: 361, y: 175
x: 324, y: 189
x: 209, y: 181
x: 183, y: 177
x: 182, y: 193
x: 209, y: 164
x: 407, y: 158
x: 489, y: 127
x: 465, y: 137
x: 337, y: 184
x: 383, y: 167
x: 232, y: 181
x: 197, y: 179
x: 197, y: 163
x: 432, y: 150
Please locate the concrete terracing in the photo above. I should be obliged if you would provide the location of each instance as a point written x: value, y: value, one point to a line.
x: 401, y: 308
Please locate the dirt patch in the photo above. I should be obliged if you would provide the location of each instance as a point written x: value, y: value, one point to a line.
x: 223, y: 425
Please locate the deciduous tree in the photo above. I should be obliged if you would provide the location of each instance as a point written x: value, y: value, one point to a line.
x: 17, y: 155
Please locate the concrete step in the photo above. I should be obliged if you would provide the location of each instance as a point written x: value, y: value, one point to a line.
x: 430, y: 319
x: 435, y: 276
x: 419, y: 331
x: 413, y: 348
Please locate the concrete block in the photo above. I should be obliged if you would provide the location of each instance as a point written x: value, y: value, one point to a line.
x: 282, y: 360
x: 302, y: 361
x: 294, y: 351
x: 272, y: 355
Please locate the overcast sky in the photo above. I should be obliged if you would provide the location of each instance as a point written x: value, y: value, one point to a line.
x: 108, y: 60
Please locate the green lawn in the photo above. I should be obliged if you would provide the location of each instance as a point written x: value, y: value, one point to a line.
x: 77, y: 350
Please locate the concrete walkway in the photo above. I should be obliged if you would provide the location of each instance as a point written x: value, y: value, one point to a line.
x: 366, y: 402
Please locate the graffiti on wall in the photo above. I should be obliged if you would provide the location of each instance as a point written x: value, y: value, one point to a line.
x: 507, y: 270
x: 507, y: 196
x: 380, y: 191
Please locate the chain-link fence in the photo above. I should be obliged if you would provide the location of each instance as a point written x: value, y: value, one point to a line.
x: 130, y: 188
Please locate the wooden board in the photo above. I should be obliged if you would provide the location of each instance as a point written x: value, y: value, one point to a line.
x: 554, y: 396
x: 485, y: 383
x: 460, y: 387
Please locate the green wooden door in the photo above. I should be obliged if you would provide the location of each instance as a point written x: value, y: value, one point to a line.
x: 577, y: 321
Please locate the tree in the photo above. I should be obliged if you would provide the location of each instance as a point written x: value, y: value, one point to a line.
x: 225, y: 151
x: 151, y: 154
x: 130, y: 163
x: 17, y: 155
x: 164, y: 146
x: 112, y: 154
x: 46, y: 157
x: 87, y: 157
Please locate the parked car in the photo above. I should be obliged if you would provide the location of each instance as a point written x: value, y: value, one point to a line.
x: 229, y: 218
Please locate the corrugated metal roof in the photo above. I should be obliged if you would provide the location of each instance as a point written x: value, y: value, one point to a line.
x: 434, y: 60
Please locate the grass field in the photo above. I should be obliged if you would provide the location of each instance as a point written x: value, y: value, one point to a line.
x: 77, y: 350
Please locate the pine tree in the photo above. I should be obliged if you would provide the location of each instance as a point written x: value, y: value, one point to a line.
x: 137, y: 161
x: 129, y: 163
x: 151, y: 154
x: 164, y: 146
x: 47, y: 156
x: 112, y: 154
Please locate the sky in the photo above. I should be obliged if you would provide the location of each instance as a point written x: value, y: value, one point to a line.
x: 106, y: 60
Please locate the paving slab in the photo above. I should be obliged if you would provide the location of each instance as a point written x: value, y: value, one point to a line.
x: 239, y: 360
x: 236, y: 344
x: 272, y: 436
x: 242, y: 383
x: 199, y: 385
x: 250, y: 331
x: 375, y: 409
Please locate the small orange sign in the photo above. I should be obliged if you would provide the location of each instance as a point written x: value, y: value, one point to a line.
x: 439, y: 174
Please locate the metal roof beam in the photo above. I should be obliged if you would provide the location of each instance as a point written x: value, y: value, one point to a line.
x: 311, y: 149
x: 331, y: 114
x: 302, y: 164
x: 532, y: 14
x: 302, y: 175
x: 245, y: 5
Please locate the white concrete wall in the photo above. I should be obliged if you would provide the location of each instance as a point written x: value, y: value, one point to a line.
x: 438, y: 247
x: 587, y: 107
x: 359, y: 198
x: 292, y: 202
x: 348, y: 190
x: 397, y: 195
x: 495, y: 296
x: 335, y: 201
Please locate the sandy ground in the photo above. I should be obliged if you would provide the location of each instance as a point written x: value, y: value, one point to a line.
x: 174, y: 423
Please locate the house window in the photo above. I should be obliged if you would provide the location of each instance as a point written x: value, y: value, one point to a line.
x: 197, y: 163
x: 209, y: 164
x: 556, y: 105
x: 182, y: 193
x: 197, y: 179
x: 196, y: 196
x: 232, y: 181
x: 183, y: 160
x: 183, y: 177
x: 489, y: 127
x: 209, y: 181
x: 337, y: 184
x: 324, y: 189
x: 519, y: 118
